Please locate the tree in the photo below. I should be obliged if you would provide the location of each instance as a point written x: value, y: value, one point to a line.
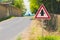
x: 18, y: 3
x: 34, y: 5
x: 51, y: 5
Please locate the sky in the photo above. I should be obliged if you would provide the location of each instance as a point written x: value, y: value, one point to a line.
x: 27, y: 4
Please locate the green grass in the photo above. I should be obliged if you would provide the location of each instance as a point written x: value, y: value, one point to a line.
x: 48, y: 38
x: 43, y: 38
x: 18, y: 38
x: 5, y: 18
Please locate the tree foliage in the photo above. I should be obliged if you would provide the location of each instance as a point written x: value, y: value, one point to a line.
x: 53, y: 6
x: 34, y: 5
x: 19, y: 4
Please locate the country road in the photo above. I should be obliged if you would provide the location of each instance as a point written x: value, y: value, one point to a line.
x: 10, y: 28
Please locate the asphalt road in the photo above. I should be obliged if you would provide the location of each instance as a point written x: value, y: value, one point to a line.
x: 10, y: 28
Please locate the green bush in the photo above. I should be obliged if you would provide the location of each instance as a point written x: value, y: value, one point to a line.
x: 18, y: 38
x: 48, y: 38
x: 2, y: 19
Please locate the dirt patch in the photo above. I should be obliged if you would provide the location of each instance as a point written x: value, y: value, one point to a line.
x: 33, y: 31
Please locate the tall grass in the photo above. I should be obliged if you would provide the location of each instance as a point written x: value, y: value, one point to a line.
x: 48, y: 38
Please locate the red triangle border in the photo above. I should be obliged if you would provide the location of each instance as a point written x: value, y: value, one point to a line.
x: 47, y: 18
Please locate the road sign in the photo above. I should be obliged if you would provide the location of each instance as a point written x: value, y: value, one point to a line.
x: 42, y: 13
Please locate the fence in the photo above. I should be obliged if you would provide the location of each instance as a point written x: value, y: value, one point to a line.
x: 9, y: 11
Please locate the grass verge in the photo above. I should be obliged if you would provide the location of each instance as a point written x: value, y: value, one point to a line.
x: 18, y: 38
x: 35, y: 33
x: 5, y: 18
x: 48, y: 38
x: 43, y: 38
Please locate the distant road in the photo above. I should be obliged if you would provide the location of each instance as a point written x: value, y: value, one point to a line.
x: 10, y: 28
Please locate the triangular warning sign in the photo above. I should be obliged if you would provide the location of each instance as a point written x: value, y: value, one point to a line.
x: 42, y: 13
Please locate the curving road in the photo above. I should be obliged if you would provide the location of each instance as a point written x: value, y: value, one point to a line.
x: 11, y: 27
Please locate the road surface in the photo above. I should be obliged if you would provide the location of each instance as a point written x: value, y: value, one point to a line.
x: 10, y: 28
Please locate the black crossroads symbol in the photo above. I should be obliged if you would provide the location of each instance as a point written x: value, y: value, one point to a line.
x: 42, y: 13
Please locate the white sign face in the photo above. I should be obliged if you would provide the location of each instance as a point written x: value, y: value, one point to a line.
x: 42, y: 13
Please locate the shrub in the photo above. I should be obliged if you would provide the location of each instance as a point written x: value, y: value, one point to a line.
x: 18, y: 38
x: 2, y: 19
x: 48, y: 38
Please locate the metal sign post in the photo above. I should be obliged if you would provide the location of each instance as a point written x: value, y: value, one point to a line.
x: 42, y: 27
